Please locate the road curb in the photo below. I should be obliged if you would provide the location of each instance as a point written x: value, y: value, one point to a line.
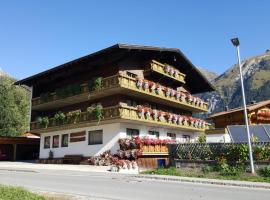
x: 245, y: 184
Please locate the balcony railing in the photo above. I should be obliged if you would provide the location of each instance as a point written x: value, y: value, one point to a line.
x: 127, y: 85
x: 117, y: 114
x: 167, y: 70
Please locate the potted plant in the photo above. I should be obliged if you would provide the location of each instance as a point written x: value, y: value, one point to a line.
x: 59, y: 118
x: 145, y: 85
x: 44, y: 122
x: 171, y: 72
x: 155, y: 114
x: 185, y: 121
x: 169, y: 117
x: 161, y: 116
x: 178, y: 95
x: 176, y: 73
x: 98, y: 112
x: 180, y: 120
x: 158, y: 89
x: 167, y: 69
x: 167, y: 92
x: 173, y: 93
x: 73, y: 116
x: 95, y: 84
x: 183, y: 97
x: 139, y: 82
x: 89, y: 111
x: 175, y: 118
x: 141, y: 111
x: 148, y: 112
x: 152, y: 86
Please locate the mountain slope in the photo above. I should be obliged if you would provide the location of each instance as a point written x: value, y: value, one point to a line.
x: 256, y: 73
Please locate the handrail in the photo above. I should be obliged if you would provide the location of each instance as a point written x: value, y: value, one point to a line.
x: 126, y: 113
x: 124, y: 81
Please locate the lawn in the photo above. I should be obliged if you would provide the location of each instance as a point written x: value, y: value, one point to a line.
x: 18, y: 193
x: 212, y: 174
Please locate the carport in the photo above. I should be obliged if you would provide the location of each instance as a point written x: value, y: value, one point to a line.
x: 18, y: 148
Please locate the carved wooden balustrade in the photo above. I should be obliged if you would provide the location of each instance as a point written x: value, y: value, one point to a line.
x: 122, y: 84
x: 113, y: 114
x: 167, y: 70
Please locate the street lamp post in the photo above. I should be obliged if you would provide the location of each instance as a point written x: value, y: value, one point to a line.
x: 236, y: 43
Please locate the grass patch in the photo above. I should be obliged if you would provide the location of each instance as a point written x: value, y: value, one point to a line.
x: 211, y: 173
x: 18, y: 193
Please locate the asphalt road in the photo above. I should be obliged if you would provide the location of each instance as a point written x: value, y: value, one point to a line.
x: 104, y: 186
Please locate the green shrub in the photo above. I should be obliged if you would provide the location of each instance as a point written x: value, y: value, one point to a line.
x: 44, y: 122
x: 95, y: 111
x: 227, y: 170
x: 202, y: 138
x: 73, y: 116
x: 95, y: 84
x: 265, y: 172
x: 261, y: 153
x: 236, y: 153
x: 59, y: 117
x: 98, y: 112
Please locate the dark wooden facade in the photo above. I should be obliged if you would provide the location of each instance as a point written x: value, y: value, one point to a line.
x: 258, y: 113
x: 18, y: 148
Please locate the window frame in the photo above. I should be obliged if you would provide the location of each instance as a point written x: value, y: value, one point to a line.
x: 169, y: 135
x: 62, y: 137
x: 155, y: 133
x: 132, y: 131
x: 44, y: 142
x: 95, y: 143
x: 55, y: 136
x: 187, y: 138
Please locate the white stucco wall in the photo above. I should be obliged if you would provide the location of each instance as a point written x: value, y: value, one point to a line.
x: 110, y: 138
x: 111, y: 134
x: 217, y: 138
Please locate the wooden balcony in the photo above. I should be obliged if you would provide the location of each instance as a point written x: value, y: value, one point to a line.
x: 166, y: 71
x: 113, y: 114
x: 121, y: 84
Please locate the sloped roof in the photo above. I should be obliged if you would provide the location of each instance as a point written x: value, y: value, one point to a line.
x: 250, y: 107
x: 194, y: 77
x: 238, y: 133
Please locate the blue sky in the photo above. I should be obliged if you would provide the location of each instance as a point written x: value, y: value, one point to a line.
x: 38, y: 35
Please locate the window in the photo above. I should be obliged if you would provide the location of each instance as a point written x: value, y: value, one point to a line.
x: 64, y: 140
x: 132, y: 132
x: 172, y: 135
x: 95, y: 137
x: 155, y: 133
x: 47, y: 142
x: 131, y: 74
x: 186, y: 138
x: 55, y: 141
